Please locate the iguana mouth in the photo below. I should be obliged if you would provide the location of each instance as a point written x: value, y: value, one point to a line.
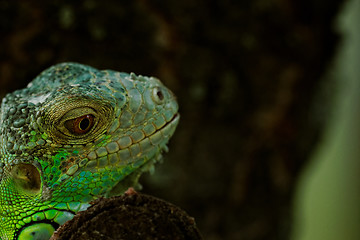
x: 135, y: 154
x: 146, y: 164
x: 171, y: 125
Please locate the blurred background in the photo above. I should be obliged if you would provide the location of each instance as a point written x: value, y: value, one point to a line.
x: 267, y: 143
x: 328, y: 194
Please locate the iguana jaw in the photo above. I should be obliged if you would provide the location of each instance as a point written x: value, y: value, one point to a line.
x: 132, y: 179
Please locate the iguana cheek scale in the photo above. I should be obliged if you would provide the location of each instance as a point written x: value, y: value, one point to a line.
x: 75, y: 134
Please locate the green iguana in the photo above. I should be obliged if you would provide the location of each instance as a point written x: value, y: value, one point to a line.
x: 75, y: 134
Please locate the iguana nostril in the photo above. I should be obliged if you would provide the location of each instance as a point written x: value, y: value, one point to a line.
x: 158, y: 95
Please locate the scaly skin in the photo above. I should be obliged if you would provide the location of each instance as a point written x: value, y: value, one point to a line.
x: 73, y: 135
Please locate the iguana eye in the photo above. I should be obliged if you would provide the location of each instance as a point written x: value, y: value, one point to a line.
x: 80, y: 125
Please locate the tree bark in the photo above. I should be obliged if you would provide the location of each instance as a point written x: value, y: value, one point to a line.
x: 130, y: 216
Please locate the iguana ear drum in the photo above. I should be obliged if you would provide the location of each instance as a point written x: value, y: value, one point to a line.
x: 38, y: 231
x: 26, y: 178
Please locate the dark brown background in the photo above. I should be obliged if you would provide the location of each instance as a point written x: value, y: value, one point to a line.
x: 247, y: 76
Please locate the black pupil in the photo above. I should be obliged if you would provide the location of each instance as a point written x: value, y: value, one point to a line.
x: 160, y: 95
x: 84, y: 124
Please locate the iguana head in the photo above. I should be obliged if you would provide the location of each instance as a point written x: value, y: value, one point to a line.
x: 73, y: 135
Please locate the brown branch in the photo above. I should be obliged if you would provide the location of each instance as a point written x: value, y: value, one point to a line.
x: 130, y: 216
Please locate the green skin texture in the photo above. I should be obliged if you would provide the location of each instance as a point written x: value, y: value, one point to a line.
x: 49, y: 171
